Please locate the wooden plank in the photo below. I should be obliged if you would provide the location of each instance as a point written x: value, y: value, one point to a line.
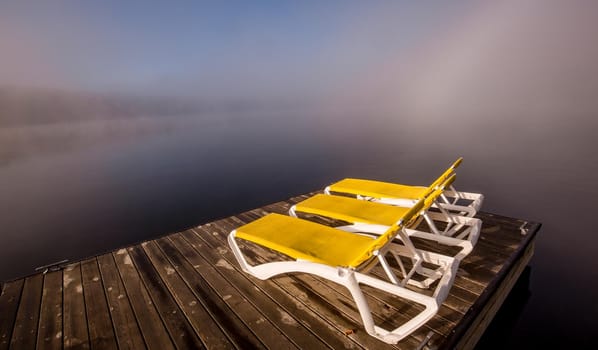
x: 49, y: 335
x: 463, y: 294
x: 234, y: 313
x: 466, y: 284
x: 504, y: 222
x: 292, y: 318
x: 152, y: 328
x: 501, y: 250
x: 74, y: 317
x: 506, y: 235
x: 125, y: 325
x: 99, y: 323
x: 25, y: 328
x: 9, y: 304
x: 194, y: 310
x: 179, y: 329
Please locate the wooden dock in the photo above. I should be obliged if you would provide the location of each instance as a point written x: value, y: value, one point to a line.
x: 186, y: 291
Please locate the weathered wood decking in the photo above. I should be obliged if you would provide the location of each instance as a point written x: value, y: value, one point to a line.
x: 186, y: 291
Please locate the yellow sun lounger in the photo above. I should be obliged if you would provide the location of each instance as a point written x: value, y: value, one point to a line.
x: 406, y: 195
x: 375, y: 218
x: 341, y: 257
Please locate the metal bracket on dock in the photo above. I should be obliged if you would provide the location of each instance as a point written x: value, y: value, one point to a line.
x: 523, y: 229
x: 51, y: 267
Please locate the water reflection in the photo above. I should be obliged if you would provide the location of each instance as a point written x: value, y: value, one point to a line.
x: 501, y: 332
x: 19, y: 143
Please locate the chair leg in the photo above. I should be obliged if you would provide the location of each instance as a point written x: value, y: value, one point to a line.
x: 471, y: 233
x: 430, y: 304
x: 391, y: 276
x: 476, y: 199
x: 352, y: 280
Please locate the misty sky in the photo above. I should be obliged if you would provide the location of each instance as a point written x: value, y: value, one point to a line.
x: 495, y: 58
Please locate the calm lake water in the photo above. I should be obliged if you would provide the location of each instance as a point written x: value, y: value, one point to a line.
x: 68, y: 191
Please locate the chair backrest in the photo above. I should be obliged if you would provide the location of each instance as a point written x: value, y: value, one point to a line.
x: 434, y: 194
x: 448, y: 172
x: 406, y: 220
x: 424, y: 203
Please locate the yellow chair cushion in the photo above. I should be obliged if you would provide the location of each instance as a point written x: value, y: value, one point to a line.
x: 378, y: 189
x: 302, y: 239
x: 351, y: 210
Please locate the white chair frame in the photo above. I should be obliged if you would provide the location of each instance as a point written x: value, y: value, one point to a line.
x: 351, y: 279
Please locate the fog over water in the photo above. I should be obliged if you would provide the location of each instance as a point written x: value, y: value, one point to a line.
x: 138, y: 124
